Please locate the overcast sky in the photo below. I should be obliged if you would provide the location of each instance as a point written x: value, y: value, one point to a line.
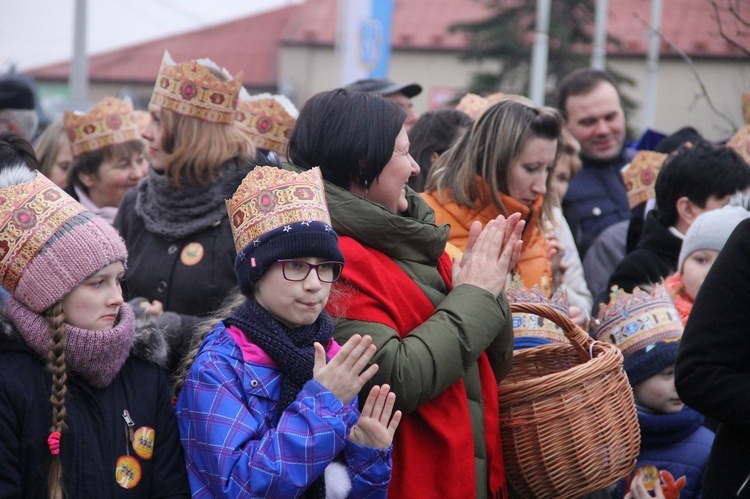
x: 38, y: 32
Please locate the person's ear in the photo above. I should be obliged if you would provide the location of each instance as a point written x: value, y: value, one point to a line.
x: 433, y: 157
x: 87, y: 179
x: 686, y: 211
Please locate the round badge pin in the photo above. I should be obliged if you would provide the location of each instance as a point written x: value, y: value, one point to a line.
x: 192, y: 254
x: 143, y: 442
x: 128, y: 472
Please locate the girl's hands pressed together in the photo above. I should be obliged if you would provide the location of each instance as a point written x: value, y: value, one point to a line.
x: 375, y: 427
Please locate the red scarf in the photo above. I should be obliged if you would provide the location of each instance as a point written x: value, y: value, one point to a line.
x: 433, y: 451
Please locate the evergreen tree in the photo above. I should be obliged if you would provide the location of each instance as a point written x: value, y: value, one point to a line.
x: 507, y: 36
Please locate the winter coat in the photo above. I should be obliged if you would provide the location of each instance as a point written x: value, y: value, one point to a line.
x: 445, y: 352
x: 599, y: 192
x: 95, y: 434
x: 602, y: 258
x: 678, y: 446
x: 573, y: 279
x: 713, y: 364
x: 161, y: 269
x: 236, y: 445
x: 534, y: 265
x: 654, y: 259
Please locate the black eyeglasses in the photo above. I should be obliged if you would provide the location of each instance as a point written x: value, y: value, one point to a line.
x: 297, y: 270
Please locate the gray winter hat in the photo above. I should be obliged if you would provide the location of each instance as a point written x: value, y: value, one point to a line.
x: 711, y: 230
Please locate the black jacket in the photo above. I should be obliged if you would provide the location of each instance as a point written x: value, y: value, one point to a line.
x: 713, y: 364
x: 95, y: 436
x: 654, y: 259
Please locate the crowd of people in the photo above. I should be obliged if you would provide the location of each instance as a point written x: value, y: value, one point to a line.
x: 223, y: 296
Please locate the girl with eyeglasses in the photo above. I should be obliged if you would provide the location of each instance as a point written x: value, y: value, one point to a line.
x: 267, y: 402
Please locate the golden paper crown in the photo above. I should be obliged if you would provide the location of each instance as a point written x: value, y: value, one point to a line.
x: 110, y: 122
x: 640, y: 176
x: 746, y: 107
x: 30, y: 214
x: 268, y: 119
x: 189, y: 88
x: 530, y: 325
x: 634, y: 321
x: 269, y: 198
x: 740, y: 142
x: 472, y: 104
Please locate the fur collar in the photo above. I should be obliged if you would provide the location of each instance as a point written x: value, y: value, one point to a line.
x: 150, y: 342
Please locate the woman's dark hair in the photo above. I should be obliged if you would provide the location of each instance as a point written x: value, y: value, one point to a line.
x: 434, y: 132
x: 89, y: 163
x: 349, y: 135
x: 15, y: 150
x: 698, y: 172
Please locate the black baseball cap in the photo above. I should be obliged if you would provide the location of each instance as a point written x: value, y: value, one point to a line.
x: 384, y: 86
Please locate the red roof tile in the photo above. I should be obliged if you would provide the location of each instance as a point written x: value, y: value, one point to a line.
x: 251, y: 44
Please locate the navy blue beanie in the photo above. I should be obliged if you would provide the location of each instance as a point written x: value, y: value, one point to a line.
x: 294, y: 240
x: 650, y: 360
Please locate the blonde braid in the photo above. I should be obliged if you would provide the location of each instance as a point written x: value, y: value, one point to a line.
x: 56, y: 365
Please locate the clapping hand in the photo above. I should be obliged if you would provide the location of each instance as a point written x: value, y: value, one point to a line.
x: 344, y: 375
x: 490, y: 254
x: 375, y: 427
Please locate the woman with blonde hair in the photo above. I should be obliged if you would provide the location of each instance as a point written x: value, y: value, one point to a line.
x: 53, y: 151
x: 505, y: 169
x: 175, y: 222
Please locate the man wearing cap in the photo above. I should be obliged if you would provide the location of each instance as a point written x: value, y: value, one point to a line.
x: 400, y: 95
x: 17, y: 113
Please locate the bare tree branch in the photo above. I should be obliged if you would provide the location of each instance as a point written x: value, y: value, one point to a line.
x: 720, y: 24
x: 735, y: 11
x: 692, y: 67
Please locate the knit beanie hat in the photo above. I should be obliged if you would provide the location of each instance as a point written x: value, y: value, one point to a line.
x: 49, y: 243
x: 711, y: 230
x: 277, y: 214
x: 645, y: 326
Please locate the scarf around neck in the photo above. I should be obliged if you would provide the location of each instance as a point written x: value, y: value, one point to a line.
x: 97, y: 356
x: 175, y: 213
x: 291, y: 349
x: 661, y: 430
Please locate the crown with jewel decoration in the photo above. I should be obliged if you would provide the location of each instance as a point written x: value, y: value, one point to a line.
x: 191, y: 89
x: 633, y: 321
x: 110, y: 122
x: 269, y: 198
x: 268, y: 119
x: 640, y: 176
x: 531, y: 328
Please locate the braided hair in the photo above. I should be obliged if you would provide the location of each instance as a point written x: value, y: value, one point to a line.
x: 56, y: 365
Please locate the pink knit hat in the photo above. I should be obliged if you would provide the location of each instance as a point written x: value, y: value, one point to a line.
x: 49, y: 243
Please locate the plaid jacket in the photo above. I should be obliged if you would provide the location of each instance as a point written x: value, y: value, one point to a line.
x: 236, y: 445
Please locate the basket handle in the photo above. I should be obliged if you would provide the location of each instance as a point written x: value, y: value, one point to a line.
x: 582, y: 342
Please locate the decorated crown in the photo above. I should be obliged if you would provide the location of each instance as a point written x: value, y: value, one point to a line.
x: 640, y: 176
x: 269, y: 198
x: 191, y: 89
x: 31, y: 213
x: 740, y: 142
x: 635, y: 321
x: 530, y: 325
x: 472, y: 104
x: 746, y: 107
x: 110, y: 122
x: 268, y: 119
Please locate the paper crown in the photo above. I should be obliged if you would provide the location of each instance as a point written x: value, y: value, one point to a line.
x: 49, y: 243
x: 740, y: 142
x: 633, y: 321
x: 268, y: 119
x: 191, y: 89
x: 110, y: 122
x: 746, y: 107
x: 530, y: 329
x: 640, y: 176
x: 474, y: 105
x: 269, y: 198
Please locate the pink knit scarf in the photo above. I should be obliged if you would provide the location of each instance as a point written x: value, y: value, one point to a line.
x: 96, y: 355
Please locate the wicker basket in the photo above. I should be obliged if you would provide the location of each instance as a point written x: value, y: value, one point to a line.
x: 567, y: 418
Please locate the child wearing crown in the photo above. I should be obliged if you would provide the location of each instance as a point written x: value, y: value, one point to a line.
x: 84, y: 409
x: 261, y: 413
x: 674, y: 444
